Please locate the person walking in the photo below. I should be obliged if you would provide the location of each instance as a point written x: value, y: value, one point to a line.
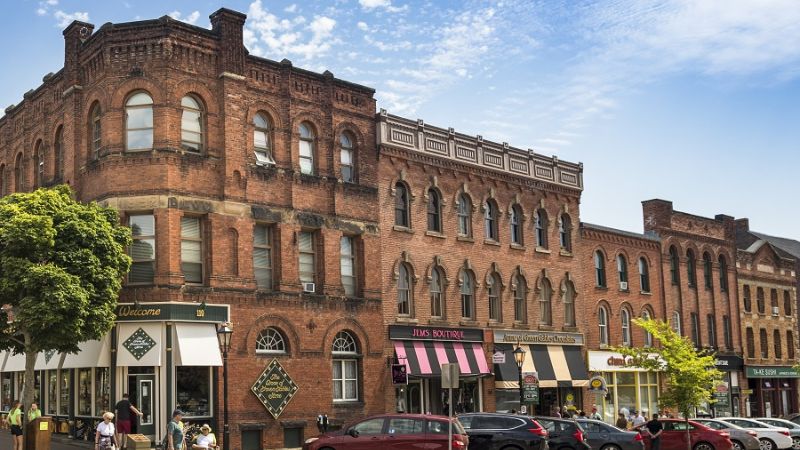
x: 105, y: 436
x: 124, y: 408
x: 622, y: 422
x: 34, y: 413
x: 595, y: 415
x: 175, y: 435
x: 639, y: 420
x: 655, y: 429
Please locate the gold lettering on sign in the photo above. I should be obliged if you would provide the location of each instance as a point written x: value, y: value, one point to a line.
x: 201, y: 313
x: 540, y: 338
x: 128, y: 311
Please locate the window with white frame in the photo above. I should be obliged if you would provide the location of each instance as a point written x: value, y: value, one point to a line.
x: 346, y: 159
x: 139, y: 122
x: 404, y: 290
x: 625, y: 319
x: 143, y: 248
x: 192, y: 124
x: 347, y: 256
x: 192, y: 249
x: 345, y: 367
x: 307, y: 256
x: 602, y: 324
x: 262, y: 140
x: 262, y: 256
x: 306, y: 149
x: 270, y: 341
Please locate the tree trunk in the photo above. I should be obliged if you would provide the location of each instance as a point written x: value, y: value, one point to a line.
x: 688, y: 435
x: 30, y: 381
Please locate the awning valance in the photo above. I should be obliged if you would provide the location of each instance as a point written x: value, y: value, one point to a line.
x: 197, y: 345
x: 555, y: 365
x: 3, y: 357
x: 15, y: 363
x: 425, y: 358
x: 48, y: 360
x: 91, y: 354
x: 139, y: 344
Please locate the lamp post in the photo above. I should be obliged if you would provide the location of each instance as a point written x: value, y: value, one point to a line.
x: 519, y: 358
x: 224, y: 332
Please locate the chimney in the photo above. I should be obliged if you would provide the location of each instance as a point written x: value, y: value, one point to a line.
x: 74, y: 36
x: 229, y: 26
x: 743, y: 225
x: 729, y: 224
x: 657, y: 214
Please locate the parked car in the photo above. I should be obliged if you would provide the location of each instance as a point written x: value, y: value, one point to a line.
x: 701, y: 437
x: 495, y: 431
x: 392, y: 431
x: 770, y: 437
x: 742, y: 439
x: 794, y: 429
x: 602, y: 436
x: 793, y: 418
x: 563, y: 434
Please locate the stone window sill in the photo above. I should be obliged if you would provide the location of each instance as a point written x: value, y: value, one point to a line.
x: 402, y: 229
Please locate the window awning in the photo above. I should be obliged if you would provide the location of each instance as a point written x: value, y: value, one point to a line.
x: 91, y: 354
x: 3, y: 357
x: 555, y: 365
x: 425, y: 358
x: 15, y: 363
x: 48, y: 360
x: 197, y: 345
x: 139, y: 344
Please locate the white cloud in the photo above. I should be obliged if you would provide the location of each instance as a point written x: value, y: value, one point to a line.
x: 267, y: 34
x: 382, y: 4
x: 190, y: 19
x: 52, y: 2
x: 41, y: 11
x: 64, y: 19
x: 291, y: 9
x: 362, y: 26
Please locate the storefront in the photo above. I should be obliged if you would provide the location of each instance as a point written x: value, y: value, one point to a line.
x: 554, y: 359
x: 628, y: 388
x: 726, y: 394
x: 161, y: 354
x: 423, y: 350
x: 772, y: 391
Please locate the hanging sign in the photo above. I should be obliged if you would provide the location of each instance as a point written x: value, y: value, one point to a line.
x: 399, y: 374
x: 597, y: 385
x: 499, y: 357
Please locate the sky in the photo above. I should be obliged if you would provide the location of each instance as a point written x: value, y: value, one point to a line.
x: 693, y: 101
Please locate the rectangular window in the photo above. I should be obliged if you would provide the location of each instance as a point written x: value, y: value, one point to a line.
x: 262, y: 256
x: 251, y: 440
x: 726, y: 330
x: 307, y: 257
x: 348, y: 265
x: 52, y: 392
x: 193, y: 390
x: 695, y: 330
x: 292, y: 437
x: 143, y: 248
x: 191, y: 249
x: 102, y: 390
x: 64, y: 391
x: 6, y: 391
x: 345, y: 380
x: 751, y: 343
x: 712, y: 332
x: 84, y: 392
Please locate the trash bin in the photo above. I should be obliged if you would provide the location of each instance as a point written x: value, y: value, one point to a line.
x: 138, y: 442
x: 37, y: 433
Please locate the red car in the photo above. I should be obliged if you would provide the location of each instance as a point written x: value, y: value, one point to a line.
x: 392, y: 431
x: 702, y: 437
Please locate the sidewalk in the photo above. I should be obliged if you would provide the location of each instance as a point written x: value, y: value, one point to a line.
x: 59, y: 442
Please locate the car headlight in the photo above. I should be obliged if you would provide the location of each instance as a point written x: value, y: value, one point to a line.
x: 310, y: 440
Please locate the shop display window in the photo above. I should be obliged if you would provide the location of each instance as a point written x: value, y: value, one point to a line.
x: 64, y: 389
x: 628, y: 392
x: 193, y: 390
x: 6, y: 391
x: 84, y: 392
x: 52, y: 392
x: 102, y: 391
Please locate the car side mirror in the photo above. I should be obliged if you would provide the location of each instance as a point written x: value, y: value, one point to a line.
x: 352, y: 432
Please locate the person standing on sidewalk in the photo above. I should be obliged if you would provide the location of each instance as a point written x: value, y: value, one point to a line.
x: 15, y: 420
x: 124, y: 410
x: 175, y: 434
x: 105, y: 437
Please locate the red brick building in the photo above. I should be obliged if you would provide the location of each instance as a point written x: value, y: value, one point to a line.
x: 251, y: 188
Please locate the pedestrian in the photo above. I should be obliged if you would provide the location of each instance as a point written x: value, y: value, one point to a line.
x: 205, y: 440
x: 14, y: 419
x: 34, y: 413
x: 557, y: 412
x: 639, y: 420
x: 622, y: 422
x: 655, y: 428
x: 595, y: 415
x: 581, y: 414
x: 175, y: 435
x: 124, y: 410
x: 105, y: 437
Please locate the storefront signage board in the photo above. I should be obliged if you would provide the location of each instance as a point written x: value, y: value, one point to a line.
x: 604, y: 361
x: 537, y: 337
x: 174, y: 312
x: 404, y: 332
x: 597, y: 385
x: 771, y: 372
x: 530, y: 387
x: 274, y: 388
x: 729, y: 363
x: 499, y: 357
x: 139, y: 343
x: 721, y: 395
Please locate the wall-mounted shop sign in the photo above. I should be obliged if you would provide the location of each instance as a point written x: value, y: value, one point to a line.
x: 721, y: 395
x: 170, y: 311
x: 771, y: 372
x: 403, y: 332
x: 274, y: 388
x: 604, y: 361
x: 597, y: 385
x: 729, y: 363
x: 537, y: 337
x: 139, y: 343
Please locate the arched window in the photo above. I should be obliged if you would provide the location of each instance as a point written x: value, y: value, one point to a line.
x: 345, y: 367
x: 776, y: 339
x: 569, y: 304
x: 436, y: 291
x: 434, y: 211
x: 19, y: 174
x: 751, y: 343
x: 95, y: 131
x: 467, y: 295
x: 39, y: 166
x: 520, y: 287
x: 192, y: 124
x: 490, y: 220
x: 708, y: 275
x: 760, y: 301
x: 58, y: 154
x: 690, y: 268
x: 516, y: 225
x: 495, y: 305
x: 790, y: 345
x: 270, y: 340
x: 787, y: 303
x: 306, y: 149
x: 404, y: 291
x: 139, y: 122
x: 622, y: 270
x: 602, y: 323
x: 346, y: 158
x: 545, y: 302
x: 762, y: 335
x: 401, y: 218
x: 625, y: 320
x: 464, y: 215
x: 599, y: 269
x: 674, y: 265
x: 676, y: 322
x: 648, y: 338
x: 723, y: 274
x: 540, y: 224
x: 644, y: 275
x: 565, y: 232
x: 262, y: 140
x: 747, y: 300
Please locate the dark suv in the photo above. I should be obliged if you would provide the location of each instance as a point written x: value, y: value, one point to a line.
x: 563, y: 434
x: 494, y: 431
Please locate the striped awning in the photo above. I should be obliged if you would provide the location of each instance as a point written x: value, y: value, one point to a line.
x: 555, y: 365
x: 425, y: 358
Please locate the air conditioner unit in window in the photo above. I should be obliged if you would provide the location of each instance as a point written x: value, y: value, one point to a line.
x: 623, y: 285
x: 775, y: 311
x: 309, y: 287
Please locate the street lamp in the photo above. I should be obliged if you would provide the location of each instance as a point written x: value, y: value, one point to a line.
x: 519, y: 357
x: 224, y: 332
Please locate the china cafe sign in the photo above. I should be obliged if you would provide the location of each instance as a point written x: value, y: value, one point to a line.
x: 402, y: 332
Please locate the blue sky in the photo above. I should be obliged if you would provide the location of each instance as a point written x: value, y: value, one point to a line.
x: 694, y: 101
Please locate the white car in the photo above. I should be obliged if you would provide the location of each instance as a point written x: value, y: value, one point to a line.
x: 769, y: 437
x: 794, y: 429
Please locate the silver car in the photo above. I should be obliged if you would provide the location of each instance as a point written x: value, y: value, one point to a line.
x: 794, y: 429
x: 742, y: 439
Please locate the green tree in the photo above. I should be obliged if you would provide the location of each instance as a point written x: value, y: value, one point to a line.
x: 61, y: 269
x: 691, y: 375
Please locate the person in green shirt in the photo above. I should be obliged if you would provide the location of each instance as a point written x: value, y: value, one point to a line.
x: 15, y: 420
x: 34, y: 413
x: 175, y: 436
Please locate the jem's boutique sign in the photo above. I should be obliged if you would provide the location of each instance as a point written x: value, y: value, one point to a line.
x: 402, y: 332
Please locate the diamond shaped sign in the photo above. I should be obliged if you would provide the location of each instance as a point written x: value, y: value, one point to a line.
x: 139, y: 343
x: 274, y: 388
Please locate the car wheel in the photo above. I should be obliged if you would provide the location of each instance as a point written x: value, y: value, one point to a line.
x: 610, y: 447
x: 766, y: 444
x: 796, y: 443
x: 737, y: 445
x: 703, y: 446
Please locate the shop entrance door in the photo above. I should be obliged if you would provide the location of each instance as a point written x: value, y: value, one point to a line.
x: 142, y: 390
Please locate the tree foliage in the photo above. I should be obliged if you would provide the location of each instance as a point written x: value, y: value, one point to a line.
x: 61, y: 269
x: 691, y: 376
